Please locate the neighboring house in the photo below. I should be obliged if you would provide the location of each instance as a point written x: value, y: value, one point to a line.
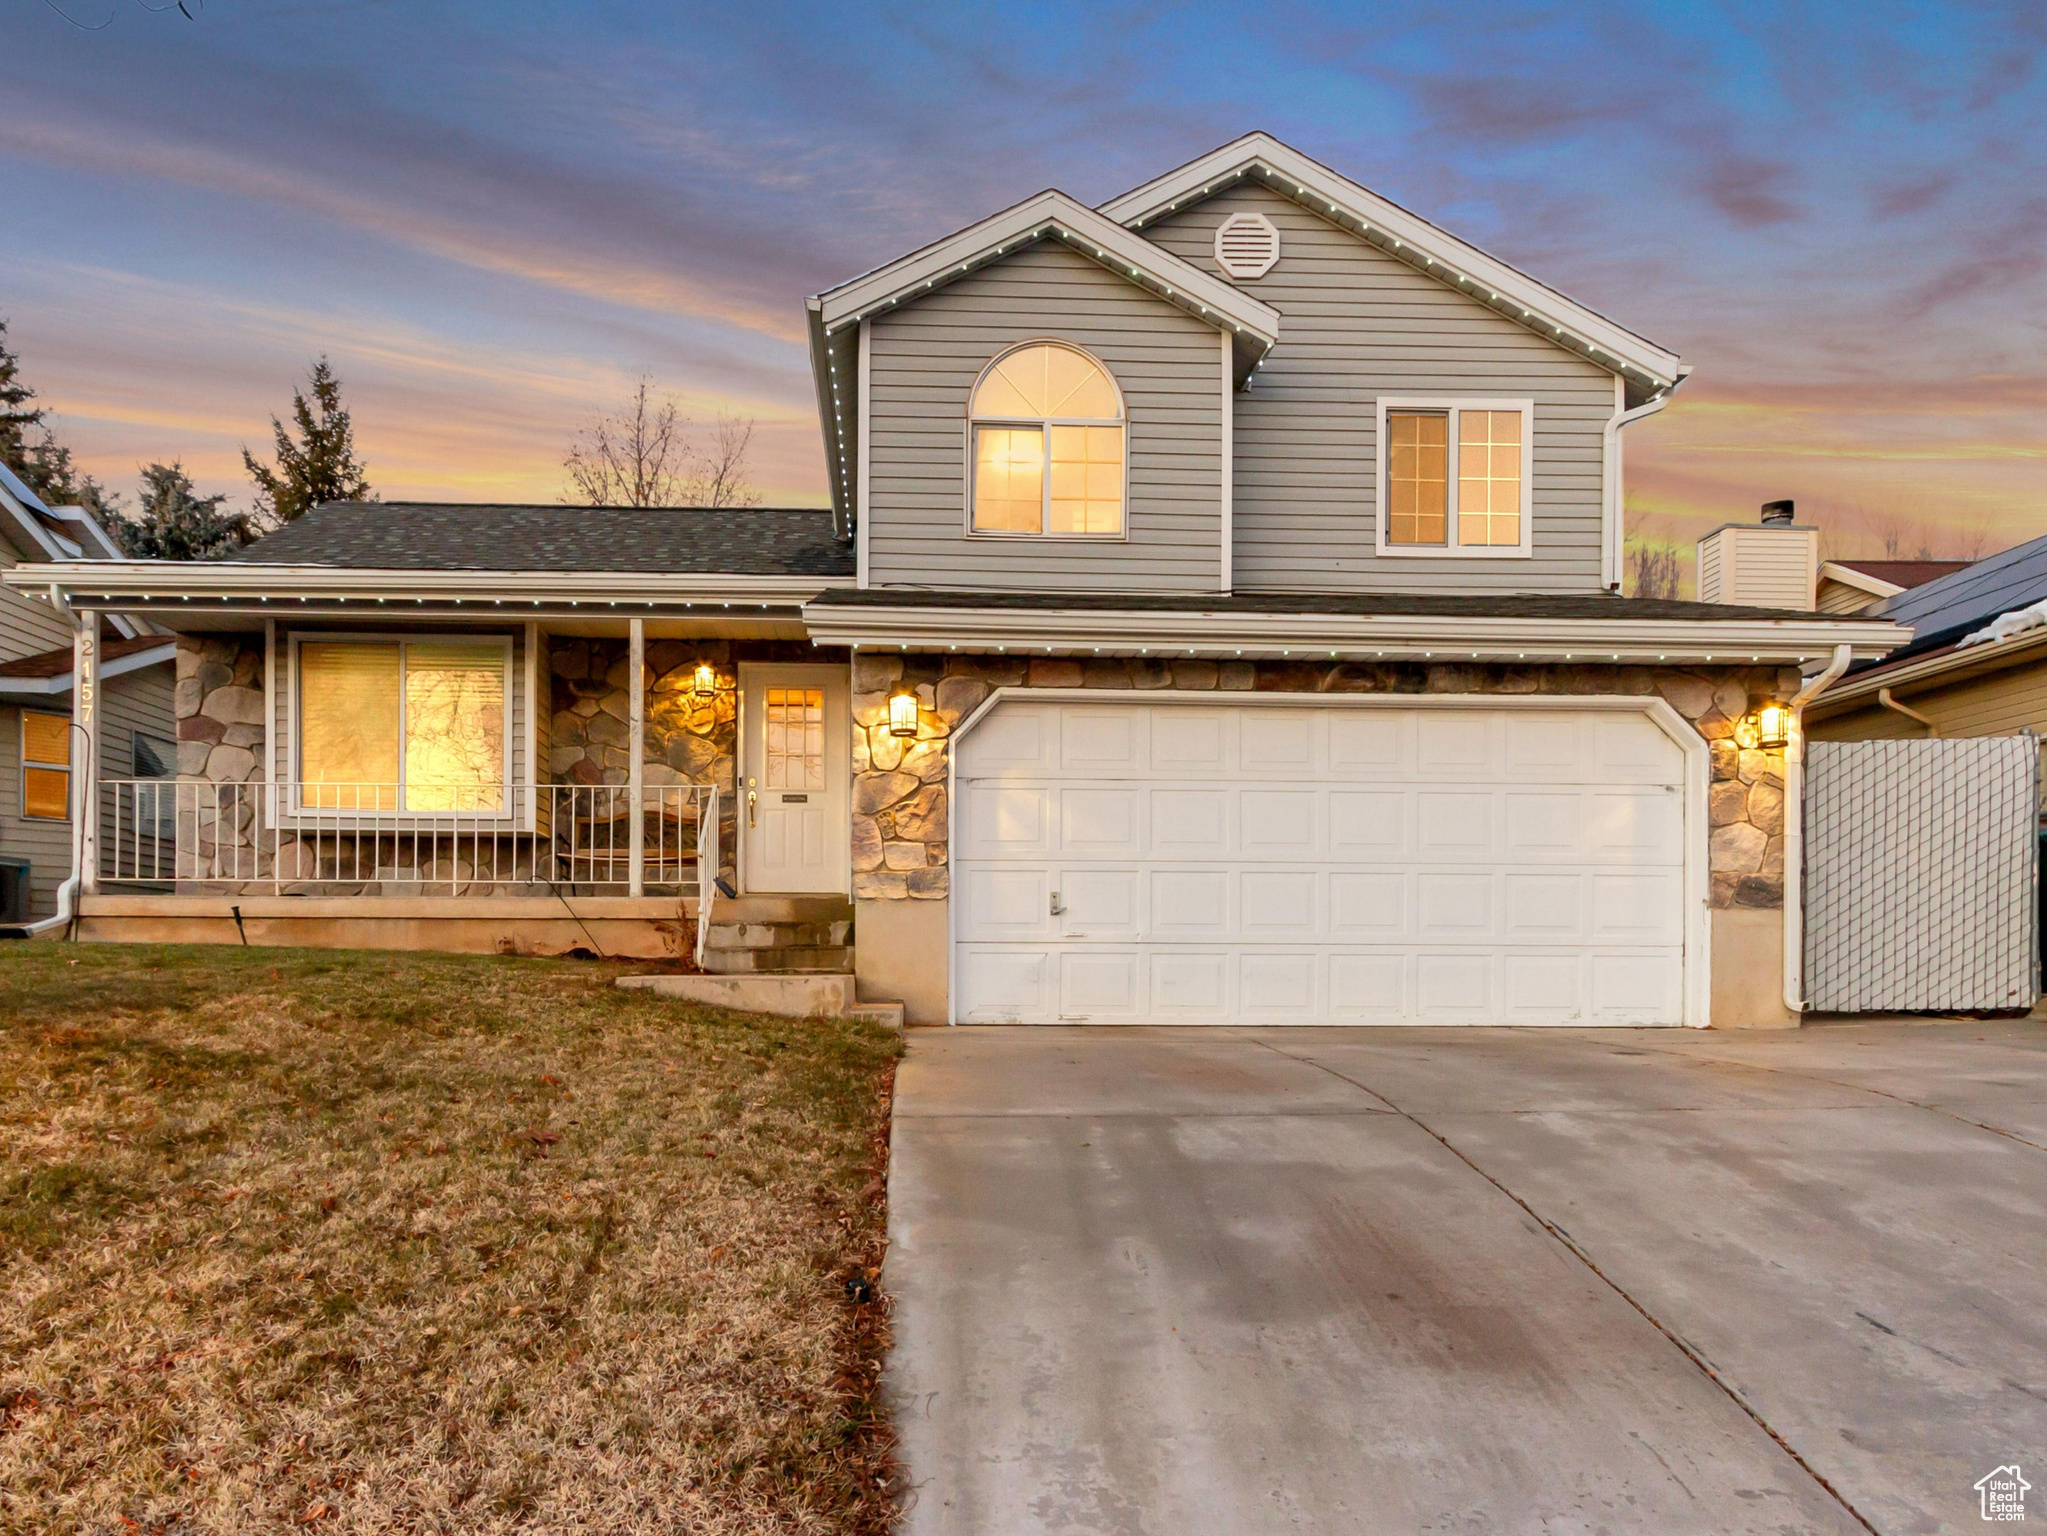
x: 37, y: 757
x: 1857, y: 586
x: 1976, y: 665
x: 1217, y: 619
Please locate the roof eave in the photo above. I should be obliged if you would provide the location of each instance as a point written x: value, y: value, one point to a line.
x: 1224, y: 634
x: 1053, y: 215
x: 1410, y: 237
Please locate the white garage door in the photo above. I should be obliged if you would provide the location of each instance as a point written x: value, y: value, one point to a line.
x: 1185, y: 863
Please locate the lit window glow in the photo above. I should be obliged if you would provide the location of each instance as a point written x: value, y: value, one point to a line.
x: 1048, y: 446
x: 415, y: 725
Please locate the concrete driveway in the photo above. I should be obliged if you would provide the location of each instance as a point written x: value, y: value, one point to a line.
x: 1193, y: 1281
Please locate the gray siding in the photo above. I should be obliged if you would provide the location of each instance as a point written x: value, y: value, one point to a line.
x: 26, y: 625
x: 923, y: 361
x: 1358, y: 324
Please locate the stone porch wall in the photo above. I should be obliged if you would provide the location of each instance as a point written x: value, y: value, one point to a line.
x: 900, y: 816
x: 218, y: 703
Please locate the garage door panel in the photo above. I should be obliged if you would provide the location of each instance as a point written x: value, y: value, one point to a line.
x: 1100, y: 740
x: 1006, y: 902
x: 1100, y: 984
x: 1188, y: 904
x: 1278, y: 823
x: 1188, y: 823
x: 1369, y: 824
x: 1248, y: 863
x: 1101, y: 823
x: 1279, y: 986
x: 1367, y: 904
x: 1369, y: 986
x: 1192, y: 743
x: 1280, y: 904
x: 1191, y: 986
x: 1455, y: 825
x: 1006, y: 821
x: 1369, y: 743
x: 1004, y: 986
x: 1017, y: 739
x: 1544, y: 907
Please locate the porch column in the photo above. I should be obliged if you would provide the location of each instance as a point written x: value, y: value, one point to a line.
x: 636, y: 775
x: 85, y: 748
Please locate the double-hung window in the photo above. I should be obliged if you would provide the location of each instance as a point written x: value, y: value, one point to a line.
x: 403, y: 725
x: 1454, y: 477
x: 1046, y: 446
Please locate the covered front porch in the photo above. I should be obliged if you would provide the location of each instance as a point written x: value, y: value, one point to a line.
x: 437, y: 770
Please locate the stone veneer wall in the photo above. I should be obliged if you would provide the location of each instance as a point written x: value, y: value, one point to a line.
x: 900, y: 844
x: 218, y: 703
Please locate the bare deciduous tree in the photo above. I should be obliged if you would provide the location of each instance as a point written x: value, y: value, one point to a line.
x: 1656, y: 572
x: 643, y: 456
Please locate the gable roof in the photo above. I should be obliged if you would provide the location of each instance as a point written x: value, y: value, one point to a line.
x: 1411, y: 238
x: 51, y: 533
x: 1945, y: 609
x: 1900, y: 575
x: 835, y: 314
x: 467, y: 536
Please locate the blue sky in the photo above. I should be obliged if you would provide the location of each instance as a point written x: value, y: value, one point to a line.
x: 493, y: 217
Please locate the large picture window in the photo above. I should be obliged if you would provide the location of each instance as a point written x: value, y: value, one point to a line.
x: 402, y: 725
x: 1454, y: 477
x: 1047, y: 446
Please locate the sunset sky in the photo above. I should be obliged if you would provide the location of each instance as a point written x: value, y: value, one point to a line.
x: 493, y: 217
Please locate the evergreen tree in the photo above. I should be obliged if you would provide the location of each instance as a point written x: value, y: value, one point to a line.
x: 43, y: 463
x: 320, y: 465
x: 177, y: 523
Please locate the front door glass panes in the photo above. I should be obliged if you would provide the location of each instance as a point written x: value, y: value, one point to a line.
x: 794, y: 725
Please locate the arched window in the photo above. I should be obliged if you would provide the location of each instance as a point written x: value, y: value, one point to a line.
x: 1047, y: 433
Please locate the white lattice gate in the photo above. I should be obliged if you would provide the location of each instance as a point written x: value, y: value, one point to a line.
x: 1922, y: 875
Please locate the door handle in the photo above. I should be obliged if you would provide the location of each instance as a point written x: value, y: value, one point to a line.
x: 1058, y: 906
x: 752, y: 799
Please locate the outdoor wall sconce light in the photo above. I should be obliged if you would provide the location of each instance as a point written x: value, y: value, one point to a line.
x: 705, y: 682
x: 1767, y: 726
x: 902, y: 713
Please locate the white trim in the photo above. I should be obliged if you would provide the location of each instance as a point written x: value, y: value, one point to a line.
x: 838, y: 768
x: 289, y: 816
x: 1613, y: 506
x: 1847, y: 576
x: 1229, y: 470
x: 104, y: 581
x: 1698, y: 940
x: 1450, y: 549
x: 23, y: 762
x: 1406, y: 235
x: 48, y: 687
x: 1354, y: 637
x: 1793, y: 939
x: 636, y: 751
x: 1056, y: 215
x: 1044, y: 424
x: 531, y: 778
x: 270, y: 701
x: 863, y: 482
x: 85, y: 767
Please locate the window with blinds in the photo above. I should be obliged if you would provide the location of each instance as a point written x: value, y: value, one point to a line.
x: 412, y: 725
x: 45, y: 766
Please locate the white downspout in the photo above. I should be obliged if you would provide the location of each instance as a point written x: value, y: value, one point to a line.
x: 1794, y: 831
x: 1615, y: 511
x: 81, y: 802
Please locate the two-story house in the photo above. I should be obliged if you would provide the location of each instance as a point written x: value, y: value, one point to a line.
x: 1217, y: 619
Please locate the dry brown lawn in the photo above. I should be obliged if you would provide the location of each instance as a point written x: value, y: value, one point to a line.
x: 318, y: 1241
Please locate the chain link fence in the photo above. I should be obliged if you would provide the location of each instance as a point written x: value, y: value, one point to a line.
x: 1922, y: 875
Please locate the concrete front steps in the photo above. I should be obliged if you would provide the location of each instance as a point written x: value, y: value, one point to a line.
x: 787, y: 955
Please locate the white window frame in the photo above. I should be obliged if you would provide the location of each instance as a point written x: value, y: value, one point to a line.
x: 298, y: 813
x: 1451, y: 549
x: 23, y: 763
x: 1046, y: 424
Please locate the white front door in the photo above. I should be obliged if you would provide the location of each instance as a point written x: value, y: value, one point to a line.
x: 1217, y: 862
x: 794, y: 773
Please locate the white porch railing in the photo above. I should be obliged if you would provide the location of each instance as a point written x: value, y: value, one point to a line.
x: 353, y: 839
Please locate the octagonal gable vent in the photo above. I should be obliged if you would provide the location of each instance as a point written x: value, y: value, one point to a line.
x: 1246, y: 245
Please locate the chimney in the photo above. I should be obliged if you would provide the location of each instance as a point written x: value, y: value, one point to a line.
x: 1771, y: 564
